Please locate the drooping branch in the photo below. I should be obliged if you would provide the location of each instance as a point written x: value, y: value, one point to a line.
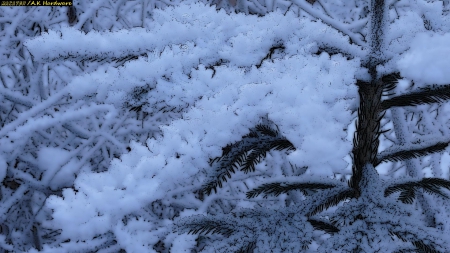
x: 334, y: 200
x: 245, y: 154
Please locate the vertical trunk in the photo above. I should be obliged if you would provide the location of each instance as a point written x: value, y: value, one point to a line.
x: 376, y: 36
x: 365, y: 143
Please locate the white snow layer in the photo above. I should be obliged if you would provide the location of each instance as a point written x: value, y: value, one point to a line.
x: 427, y: 60
x: 306, y: 95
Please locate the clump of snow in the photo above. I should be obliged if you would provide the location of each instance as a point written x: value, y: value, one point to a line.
x: 3, y: 168
x: 427, y: 59
x: 58, y: 167
x: 183, y: 243
x: 214, y: 69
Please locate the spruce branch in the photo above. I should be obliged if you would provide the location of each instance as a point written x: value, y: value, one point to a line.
x: 280, y: 188
x: 204, y: 225
x: 255, y: 156
x: 324, y: 226
x: 390, y: 82
x: 424, y: 248
x: 249, y: 248
x: 391, y: 79
x: 397, y: 155
x: 245, y: 154
x: 408, y: 190
x: 407, y: 196
x: 419, y: 245
x: 426, y: 96
x: 334, y: 201
x: 266, y: 130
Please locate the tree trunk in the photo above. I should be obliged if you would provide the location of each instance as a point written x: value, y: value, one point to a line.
x: 366, y: 140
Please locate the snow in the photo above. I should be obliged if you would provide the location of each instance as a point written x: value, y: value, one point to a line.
x: 297, y: 99
x: 426, y: 61
x: 3, y: 168
x: 56, y: 167
x: 183, y: 243
x: 199, y: 79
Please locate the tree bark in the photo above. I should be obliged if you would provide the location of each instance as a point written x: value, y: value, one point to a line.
x: 366, y: 140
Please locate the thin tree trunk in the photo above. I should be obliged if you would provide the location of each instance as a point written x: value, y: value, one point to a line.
x: 366, y: 140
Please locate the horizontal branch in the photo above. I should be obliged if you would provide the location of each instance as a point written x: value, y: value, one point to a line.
x: 426, y: 96
x: 408, y: 190
x: 397, y: 155
x: 280, y: 188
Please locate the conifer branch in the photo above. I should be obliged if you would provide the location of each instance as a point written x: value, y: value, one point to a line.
x: 407, y: 196
x: 396, y: 155
x: 408, y: 190
x: 204, y: 225
x: 255, y: 157
x: 334, y: 201
x: 324, y: 226
x: 426, y: 96
x: 247, y: 248
x: 425, y: 248
x: 390, y: 82
x: 280, y: 188
x: 245, y: 154
x: 419, y: 245
x: 266, y: 130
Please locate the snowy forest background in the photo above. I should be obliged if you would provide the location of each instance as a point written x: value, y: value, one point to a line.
x: 115, y: 115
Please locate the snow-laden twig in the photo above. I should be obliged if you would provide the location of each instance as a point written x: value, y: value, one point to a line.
x: 24, y: 116
x: 330, y: 21
x: 6, y: 204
